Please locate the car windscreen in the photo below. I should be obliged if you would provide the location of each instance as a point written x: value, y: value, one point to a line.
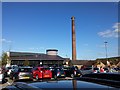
x: 25, y: 69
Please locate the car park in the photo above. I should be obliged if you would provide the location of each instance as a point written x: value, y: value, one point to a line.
x: 41, y: 73
x: 72, y: 72
x: 58, y: 73
x: 23, y: 73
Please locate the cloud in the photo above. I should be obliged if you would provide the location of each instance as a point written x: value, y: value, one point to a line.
x: 114, y: 32
x: 5, y: 41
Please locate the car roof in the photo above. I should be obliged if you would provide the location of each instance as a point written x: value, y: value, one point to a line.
x: 67, y: 84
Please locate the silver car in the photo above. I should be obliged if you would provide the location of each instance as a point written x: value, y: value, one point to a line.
x: 87, y: 70
x: 23, y: 73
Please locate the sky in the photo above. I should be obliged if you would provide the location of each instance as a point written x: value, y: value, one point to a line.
x: 38, y: 26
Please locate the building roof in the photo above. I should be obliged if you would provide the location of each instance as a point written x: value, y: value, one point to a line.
x: 82, y: 62
x: 33, y: 56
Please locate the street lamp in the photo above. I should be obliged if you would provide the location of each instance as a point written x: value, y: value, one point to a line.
x: 106, y: 49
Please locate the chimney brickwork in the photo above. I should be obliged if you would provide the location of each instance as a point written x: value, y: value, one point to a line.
x: 73, y: 39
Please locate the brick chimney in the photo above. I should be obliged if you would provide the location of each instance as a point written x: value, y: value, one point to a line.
x: 73, y: 39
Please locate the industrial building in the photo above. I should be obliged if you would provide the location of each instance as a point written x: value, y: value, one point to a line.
x: 50, y: 58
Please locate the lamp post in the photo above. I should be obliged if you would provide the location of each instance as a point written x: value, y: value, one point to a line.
x: 106, y: 49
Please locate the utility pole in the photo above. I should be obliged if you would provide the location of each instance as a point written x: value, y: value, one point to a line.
x: 106, y: 50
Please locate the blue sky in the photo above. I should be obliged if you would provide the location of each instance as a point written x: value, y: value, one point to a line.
x: 35, y: 27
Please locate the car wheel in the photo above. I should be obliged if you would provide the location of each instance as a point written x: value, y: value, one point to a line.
x: 72, y: 75
x: 14, y: 79
x: 36, y: 77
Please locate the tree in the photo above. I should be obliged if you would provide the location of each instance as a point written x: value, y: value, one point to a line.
x: 4, y: 58
x: 26, y: 63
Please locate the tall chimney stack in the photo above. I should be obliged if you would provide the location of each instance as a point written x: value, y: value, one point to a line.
x: 73, y: 39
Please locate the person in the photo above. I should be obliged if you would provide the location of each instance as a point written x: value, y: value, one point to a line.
x: 101, y: 69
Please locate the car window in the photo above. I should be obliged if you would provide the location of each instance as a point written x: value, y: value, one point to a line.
x: 25, y: 70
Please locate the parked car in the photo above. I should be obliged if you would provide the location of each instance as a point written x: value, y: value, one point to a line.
x: 11, y: 68
x: 58, y: 73
x: 4, y: 71
x: 41, y: 73
x: 8, y: 70
x: 2, y: 76
x: 87, y: 70
x: 106, y: 70
x: 72, y: 71
x: 112, y: 79
x: 114, y: 70
x: 59, y: 85
x: 22, y: 73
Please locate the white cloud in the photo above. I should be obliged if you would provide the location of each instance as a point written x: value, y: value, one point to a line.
x: 6, y: 41
x: 111, y: 33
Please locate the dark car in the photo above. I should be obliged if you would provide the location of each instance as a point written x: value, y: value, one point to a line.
x: 72, y: 72
x: 22, y: 73
x: 106, y: 70
x: 59, y: 85
x: 58, y: 72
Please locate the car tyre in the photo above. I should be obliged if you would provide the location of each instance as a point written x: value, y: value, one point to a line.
x: 72, y: 75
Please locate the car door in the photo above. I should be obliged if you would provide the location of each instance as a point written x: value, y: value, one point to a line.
x: 35, y: 72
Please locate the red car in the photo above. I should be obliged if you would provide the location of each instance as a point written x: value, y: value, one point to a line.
x: 41, y: 72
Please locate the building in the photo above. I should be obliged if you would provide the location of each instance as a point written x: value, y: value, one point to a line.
x: 50, y: 58
x: 81, y: 63
x: 111, y: 62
